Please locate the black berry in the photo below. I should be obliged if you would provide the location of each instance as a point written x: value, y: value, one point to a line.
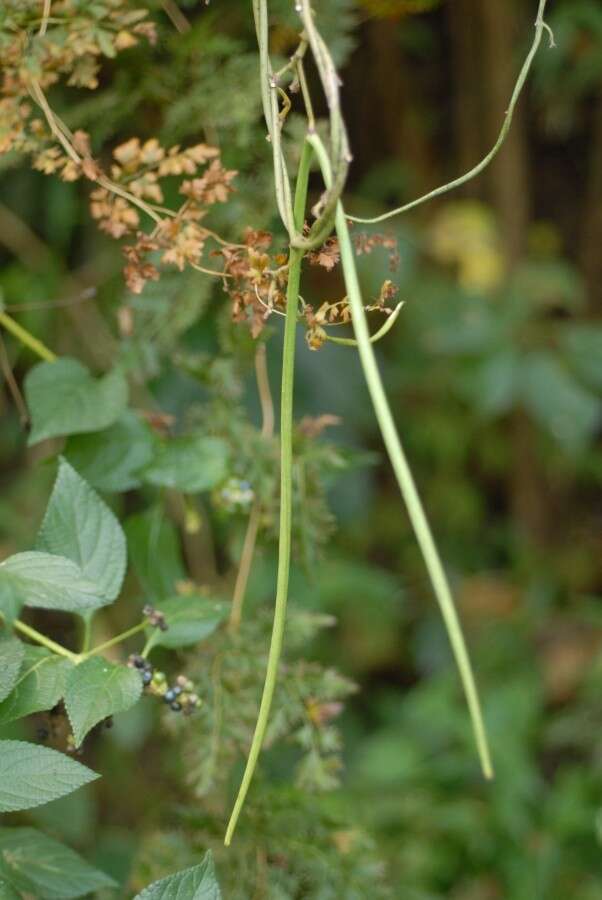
x: 176, y: 706
x: 147, y: 677
x: 170, y: 695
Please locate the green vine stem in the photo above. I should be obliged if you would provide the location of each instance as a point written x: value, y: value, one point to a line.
x: 402, y: 470
x: 27, y: 339
x: 286, y: 494
x: 540, y: 26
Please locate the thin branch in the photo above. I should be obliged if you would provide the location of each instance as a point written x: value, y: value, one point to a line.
x: 540, y: 27
x: 176, y: 16
x: 248, y: 549
x: 45, y: 17
x: 12, y: 385
x: 265, y: 393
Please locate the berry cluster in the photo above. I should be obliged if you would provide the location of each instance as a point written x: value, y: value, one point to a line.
x: 180, y: 697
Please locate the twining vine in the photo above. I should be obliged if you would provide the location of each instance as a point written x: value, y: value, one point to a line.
x: 329, y: 212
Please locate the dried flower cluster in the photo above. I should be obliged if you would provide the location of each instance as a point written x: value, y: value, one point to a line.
x: 38, y: 51
x: 68, y: 46
x: 257, y: 283
x: 178, y: 238
x: 257, y: 279
x: 41, y: 46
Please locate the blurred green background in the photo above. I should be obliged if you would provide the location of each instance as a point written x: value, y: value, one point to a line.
x: 494, y: 371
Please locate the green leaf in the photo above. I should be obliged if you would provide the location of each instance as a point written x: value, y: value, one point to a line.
x: 80, y: 526
x: 190, y: 618
x: 96, y: 689
x: 583, y: 349
x: 196, y: 883
x: 566, y: 410
x: 36, y: 864
x: 12, y: 652
x: 155, y: 552
x: 45, y: 581
x: 190, y: 464
x: 111, y: 460
x: 32, y: 775
x: 40, y: 685
x: 64, y: 398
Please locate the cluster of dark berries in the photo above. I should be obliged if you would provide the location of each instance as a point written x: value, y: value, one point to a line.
x: 180, y: 697
x: 155, y: 617
x: 143, y: 666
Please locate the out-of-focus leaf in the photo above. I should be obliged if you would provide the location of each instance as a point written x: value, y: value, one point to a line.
x: 569, y: 412
x: 155, y: 552
x: 111, y: 460
x: 64, y: 398
x: 190, y: 618
x: 583, y: 351
x: 190, y: 464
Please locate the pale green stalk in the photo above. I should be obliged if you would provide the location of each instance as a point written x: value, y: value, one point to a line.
x: 286, y: 495
x: 402, y: 470
x: 135, y: 629
x: 47, y: 642
x: 27, y: 339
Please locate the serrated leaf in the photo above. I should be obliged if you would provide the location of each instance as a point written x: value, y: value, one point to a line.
x: 190, y: 464
x: 111, y: 460
x: 64, y: 398
x: 155, y: 552
x: 80, y: 526
x: 36, y: 864
x: 96, y: 689
x: 12, y: 652
x: 566, y: 410
x: 190, y: 618
x: 32, y: 775
x: 196, y: 883
x: 40, y: 685
x: 45, y: 581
